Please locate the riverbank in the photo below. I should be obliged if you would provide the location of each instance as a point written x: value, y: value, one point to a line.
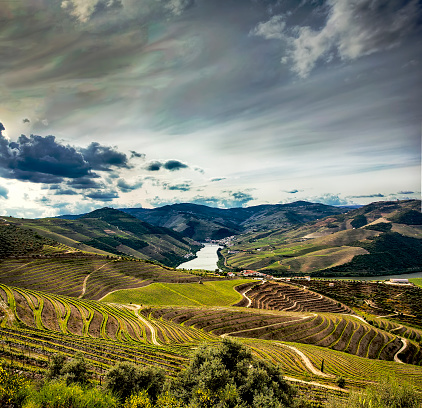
x: 206, y: 259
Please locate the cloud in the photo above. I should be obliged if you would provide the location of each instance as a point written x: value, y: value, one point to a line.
x: 84, y: 183
x: 3, y: 192
x: 406, y: 192
x: 174, y: 165
x: 67, y: 191
x: 26, y: 120
x: 377, y: 195
x: 40, y: 160
x: 102, y: 195
x: 353, y: 28
x: 153, y: 166
x: 329, y: 199
x: 134, y: 154
x: 291, y: 191
x: 177, y: 7
x: 270, y: 30
x: 171, y: 165
x: 125, y: 187
x: 103, y: 157
x: 228, y: 199
x: 186, y: 186
x: 215, y: 179
x: 83, y: 10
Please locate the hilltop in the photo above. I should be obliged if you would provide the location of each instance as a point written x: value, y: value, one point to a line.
x: 376, y: 239
x: 200, y: 222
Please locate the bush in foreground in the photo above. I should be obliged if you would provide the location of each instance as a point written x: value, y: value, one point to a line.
x: 58, y: 394
x: 388, y: 394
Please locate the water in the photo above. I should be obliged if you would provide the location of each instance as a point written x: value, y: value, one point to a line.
x: 382, y: 277
x: 206, y: 259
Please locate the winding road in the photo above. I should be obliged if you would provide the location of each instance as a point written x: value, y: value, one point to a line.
x: 152, y: 329
x: 396, y: 356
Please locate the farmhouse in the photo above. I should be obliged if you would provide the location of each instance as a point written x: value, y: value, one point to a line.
x: 400, y: 281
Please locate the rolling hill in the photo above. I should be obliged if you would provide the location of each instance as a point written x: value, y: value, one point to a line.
x: 109, y: 231
x: 379, y: 238
x: 200, y: 222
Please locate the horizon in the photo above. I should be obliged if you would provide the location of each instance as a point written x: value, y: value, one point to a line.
x: 225, y: 104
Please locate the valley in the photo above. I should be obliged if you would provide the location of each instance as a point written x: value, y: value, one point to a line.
x: 73, y: 294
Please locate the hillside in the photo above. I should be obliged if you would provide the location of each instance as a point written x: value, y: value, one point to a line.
x: 377, y: 239
x: 200, y: 222
x: 109, y: 231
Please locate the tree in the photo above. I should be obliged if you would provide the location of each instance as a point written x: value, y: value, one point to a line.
x: 228, y: 376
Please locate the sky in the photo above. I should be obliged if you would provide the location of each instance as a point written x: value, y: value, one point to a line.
x: 227, y: 103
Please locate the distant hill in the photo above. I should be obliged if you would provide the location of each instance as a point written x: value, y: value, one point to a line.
x: 110, y: 231
x: 379, y: 238
x: 200, y: 222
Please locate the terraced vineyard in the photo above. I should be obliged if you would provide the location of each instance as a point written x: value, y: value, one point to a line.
x: 91, y: 277
x: 336, y: 332
x: 278, y: 296
x: 403, y: 303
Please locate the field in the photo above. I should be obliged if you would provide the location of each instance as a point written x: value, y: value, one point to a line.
x: 416, y: 281
x: 208, y: 293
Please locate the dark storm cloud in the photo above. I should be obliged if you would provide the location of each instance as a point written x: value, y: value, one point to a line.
x: 103, y: 157
x: 174, y: 165
x: 171, y: 165
x: 153, y: 166
x: 3, y: 192
x: 125, y: 187
x: 102, y: 195
x: 84, y: 183
x: 40, y: 159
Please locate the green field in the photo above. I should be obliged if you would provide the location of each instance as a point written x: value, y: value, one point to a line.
x: 416, y: 281
x: 213, y: 293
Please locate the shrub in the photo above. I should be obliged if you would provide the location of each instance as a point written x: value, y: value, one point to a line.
x: 341, y: 382
x: 73, y: 371
x: 58, y: 394
x: 13, y: 388
x: 388, y: 394
x: 126, y: 378
x: 228, y: 376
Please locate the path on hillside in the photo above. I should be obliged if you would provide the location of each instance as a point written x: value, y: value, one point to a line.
x: 86, y: 280
x: 356, y: 317
x: 329, y: 387
x: 396, y: 356
x: 248, y: 298
x: 152, y: 329
x: 263, y: 327
x: 307, y: 362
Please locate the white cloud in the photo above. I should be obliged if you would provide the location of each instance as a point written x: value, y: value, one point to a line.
x: 353, y: 28
x: 270, y: 30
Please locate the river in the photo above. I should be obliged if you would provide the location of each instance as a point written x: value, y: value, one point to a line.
x: 206, y: 258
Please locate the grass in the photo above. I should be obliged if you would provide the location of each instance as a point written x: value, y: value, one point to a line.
x: 416, y: 281
x: 212, y: 293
